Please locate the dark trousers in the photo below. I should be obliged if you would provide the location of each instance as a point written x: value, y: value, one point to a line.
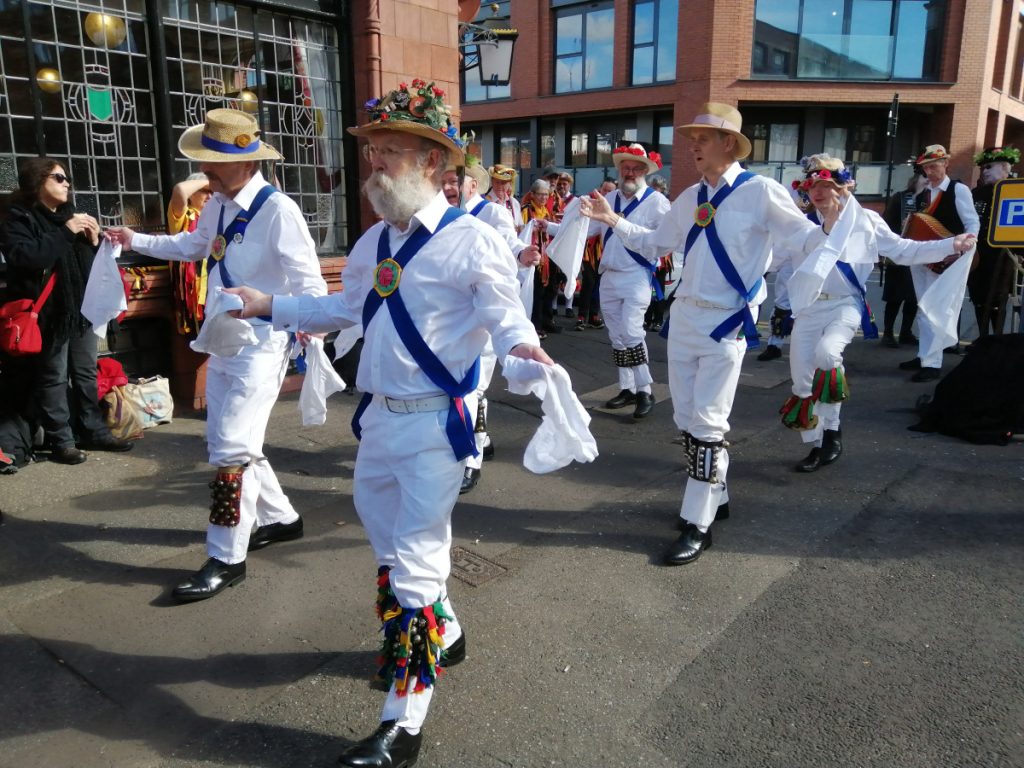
x: 55, y: 404
x: 589, y: 305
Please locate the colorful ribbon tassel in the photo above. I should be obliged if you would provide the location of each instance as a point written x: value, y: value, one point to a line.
x: 411, y: 649
x: 830, y: 386
x: 798, y: 413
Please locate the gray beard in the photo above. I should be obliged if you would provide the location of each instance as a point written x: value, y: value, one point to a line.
x: 397, y: 200
x: 630, y: 188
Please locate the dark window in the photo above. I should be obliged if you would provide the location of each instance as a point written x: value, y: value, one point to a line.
x: 848, y: 39
x: 655, y: 24
x: 584, y: 37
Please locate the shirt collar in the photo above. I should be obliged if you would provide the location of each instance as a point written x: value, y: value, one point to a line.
x: 943, y: 186
x: 473, y: 202
x: 247, y: 193
x: 728, y: 177
x: 430, y: 215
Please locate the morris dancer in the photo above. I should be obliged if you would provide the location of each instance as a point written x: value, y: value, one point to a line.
x: 249, y: 233
x: 726, y: 226
x: 828, y: 311
x: 447, y: 281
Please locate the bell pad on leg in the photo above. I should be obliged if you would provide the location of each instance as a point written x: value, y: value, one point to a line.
x: 226, y: 492
x: 630, y: 358
x: 410, y: 652
x: 702, y: 459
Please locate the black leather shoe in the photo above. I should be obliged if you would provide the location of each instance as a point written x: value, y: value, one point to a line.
x: 812, y: 462
x: 644, y: 404
x: 888, y: 340
x: 771, y: 352
x: 454, y: 653
x: 927, y: 374
x: 469, y: 480
x: 596, y: 323
x: 67, y: 454
x: 911, y: 365
x: 688, y: 546
x: 552, y: 328
x: 621, y: 400
x: 831, y: 446
x: 908, y: 338
x: 488, y: 451
x: 108, y: 443
x: 212, y: 579
x: 391, y: 746
x: 956, y: 349
x: 270, y: 534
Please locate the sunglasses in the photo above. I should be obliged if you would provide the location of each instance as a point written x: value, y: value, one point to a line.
x: 60, y: 178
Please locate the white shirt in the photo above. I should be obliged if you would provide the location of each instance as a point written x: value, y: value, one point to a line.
x: 512, y: 206
x: 647, y: 214
x: 964, y: 204
x: 499, y: 217
x: 276, y: 256
x: 758, y: 215
x: 458, y: 288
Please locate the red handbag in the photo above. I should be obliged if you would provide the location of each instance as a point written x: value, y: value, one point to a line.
x: 19, y: 324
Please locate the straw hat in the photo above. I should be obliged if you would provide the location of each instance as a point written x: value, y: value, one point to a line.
x: 417, y: 108
x: 722, y: 117
x: 823, y: 168
x: 474, y: 170
x: 636, y: 153
x: 227, y: 136
x: 501, y: 172
x: 932, y: 153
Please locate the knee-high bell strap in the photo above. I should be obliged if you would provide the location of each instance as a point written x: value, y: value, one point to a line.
x: 460, y: 423
x: 411, y: 648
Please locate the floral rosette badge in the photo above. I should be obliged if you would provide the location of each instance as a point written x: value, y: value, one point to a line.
x: 704, y: 214
x: 218, y: 246
x: 386, y: 277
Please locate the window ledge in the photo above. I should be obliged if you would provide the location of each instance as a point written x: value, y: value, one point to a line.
x: 853, y: 81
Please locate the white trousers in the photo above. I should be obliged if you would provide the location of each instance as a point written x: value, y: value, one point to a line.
x: 820, y: 335
x: 240, y: 394
x: 702, y: 376
x: 487, y: 362
x: 625, y: 297
x: 406, y: 483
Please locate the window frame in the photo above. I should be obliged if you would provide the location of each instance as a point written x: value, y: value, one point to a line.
x: 560, y: 11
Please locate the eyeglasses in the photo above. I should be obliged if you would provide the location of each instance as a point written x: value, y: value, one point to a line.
x: 387, y: 154
x: 60, y: 178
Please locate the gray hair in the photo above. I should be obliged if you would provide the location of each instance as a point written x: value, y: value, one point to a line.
x: 540, y: 185
x: 659, y: 183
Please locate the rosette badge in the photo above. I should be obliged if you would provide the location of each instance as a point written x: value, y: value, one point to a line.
x: 418, y: 108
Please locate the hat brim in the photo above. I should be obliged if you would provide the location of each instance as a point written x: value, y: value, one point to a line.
x: 458, y: 157
x: 929, y: 160
x: 743, y: 147
x: 191, y: 146
x: 621, y: 157
x: 478, y: 173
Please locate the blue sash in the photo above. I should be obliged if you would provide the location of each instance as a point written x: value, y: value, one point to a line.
x: 460, y: 424
x: 867, y: 321
x: 655, y: 283
x: 743, y: 317
x: 237, y: 228
x: 479, y: 207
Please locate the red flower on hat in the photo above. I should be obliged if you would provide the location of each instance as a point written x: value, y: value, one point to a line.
x: 824, y: 173
x: 416, y: 106
x: 438, y: 92
x: 655, y: 158
x: 796, y: 184
x: 402, y: 86
x: 385, y: 116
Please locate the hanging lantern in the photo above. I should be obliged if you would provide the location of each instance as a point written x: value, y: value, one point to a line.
x: 248, y: 101
x: 105, y: 31
x: 48, y: 79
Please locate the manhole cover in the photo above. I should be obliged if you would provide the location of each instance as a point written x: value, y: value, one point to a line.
x: 471, y: 568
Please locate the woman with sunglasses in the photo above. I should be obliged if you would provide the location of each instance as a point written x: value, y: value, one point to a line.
x: 44, y: 235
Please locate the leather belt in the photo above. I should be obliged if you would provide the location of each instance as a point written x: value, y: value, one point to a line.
x: 832, y: 296
x: 421, y: 405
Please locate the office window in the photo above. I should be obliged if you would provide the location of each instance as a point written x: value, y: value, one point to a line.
x: 655, y: 25
x: 584, y: 38
x: 848, y: 39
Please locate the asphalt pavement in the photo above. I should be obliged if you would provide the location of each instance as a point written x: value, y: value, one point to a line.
x: 869, y: 614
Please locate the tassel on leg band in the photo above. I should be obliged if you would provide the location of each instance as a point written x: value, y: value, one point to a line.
x: 411, y: 648
x: 798, y: 413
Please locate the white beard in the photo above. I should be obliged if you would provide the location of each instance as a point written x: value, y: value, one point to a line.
x: 396, y: 200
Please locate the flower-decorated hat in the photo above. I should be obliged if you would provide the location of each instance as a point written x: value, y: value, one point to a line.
x: 637, y: 153
x: 1009, y: 155
x: 932, y: 153
x: 474, y: 170
x: 227, y: 136
x: 721, y: 117
x: 416, y: 108
x: 502, y: 172
x: 823, y: 168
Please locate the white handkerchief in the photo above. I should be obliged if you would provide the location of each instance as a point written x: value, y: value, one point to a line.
x: 564, y: 434
x: 567, y: 246
x: 104, y: 292
x: 223, y: 335
x: 942, y: 301
x: 321, y: 382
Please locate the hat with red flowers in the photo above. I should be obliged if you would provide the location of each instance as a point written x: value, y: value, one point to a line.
x: 932, y: 153
x: 823, y: 168
x: 418, y: 108
x: 637, y: 153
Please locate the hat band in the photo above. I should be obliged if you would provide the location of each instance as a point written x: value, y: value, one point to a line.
x: 714, y: 121
x: 228, y: 149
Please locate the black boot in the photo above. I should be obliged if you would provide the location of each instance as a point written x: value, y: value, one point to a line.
x: 688, y: 546
x: 621, y: 400
x: 644, y: 404
x: 469, y: 480
x: 812, y: 462
x: 831, y: 446
x: 391, y: 746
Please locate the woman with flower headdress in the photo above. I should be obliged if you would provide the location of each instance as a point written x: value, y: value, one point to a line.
x: 991, y: 282
x: 828, y: 310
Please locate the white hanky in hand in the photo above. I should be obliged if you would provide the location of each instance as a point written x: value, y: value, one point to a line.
x: 223, y: 335
x: 567, y: 246
x: 942, y: 301
x: 104, y: 293
x: 564, y: 434
x: 346, y: 339
x: 321, y: 382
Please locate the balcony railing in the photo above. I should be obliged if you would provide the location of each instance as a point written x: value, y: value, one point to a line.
x: 871, y: 177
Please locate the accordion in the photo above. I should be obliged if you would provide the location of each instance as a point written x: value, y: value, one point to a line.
x: 922, y: 226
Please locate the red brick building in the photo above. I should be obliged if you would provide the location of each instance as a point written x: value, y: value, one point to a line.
x: 808, y: 76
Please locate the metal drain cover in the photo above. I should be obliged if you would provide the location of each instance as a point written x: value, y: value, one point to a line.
x: 472, y: 568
